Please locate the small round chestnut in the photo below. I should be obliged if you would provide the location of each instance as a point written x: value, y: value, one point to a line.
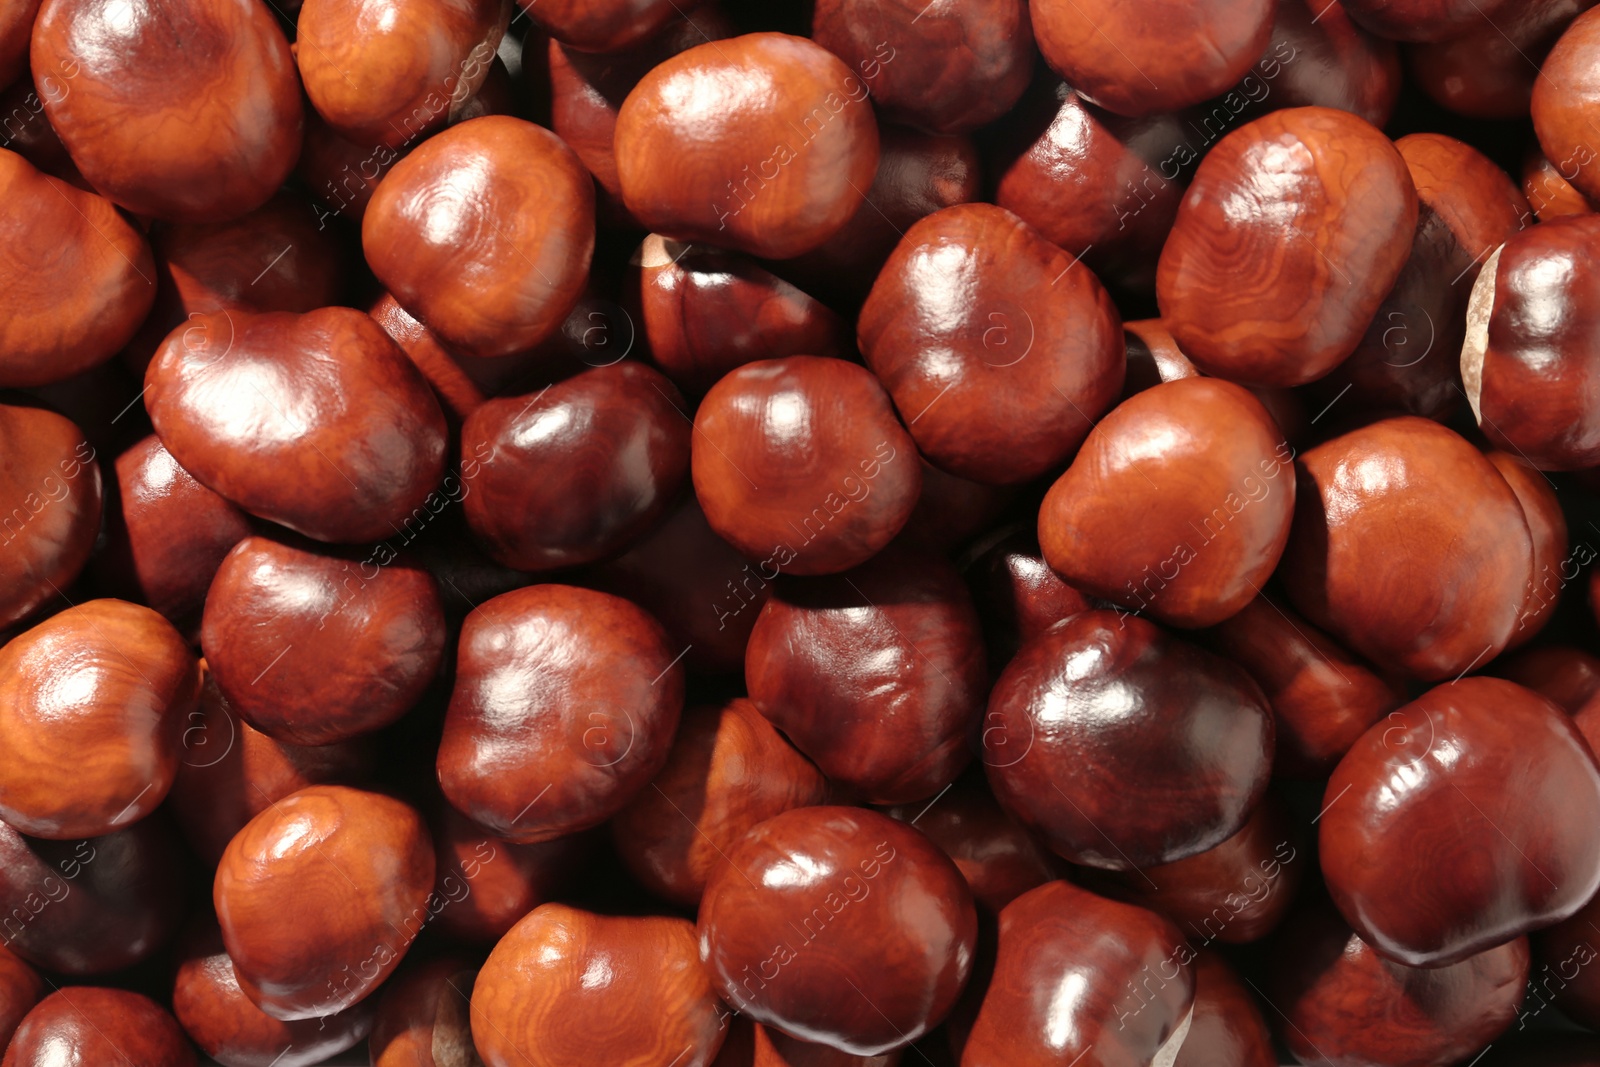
x: 53, y: 484
x: 93, y: 1025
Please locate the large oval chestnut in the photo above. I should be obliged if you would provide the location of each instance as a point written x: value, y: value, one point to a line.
x: 1497, y: 788
x: 93, y: 1025
x: 52, y: 485
x: 1104, y: 705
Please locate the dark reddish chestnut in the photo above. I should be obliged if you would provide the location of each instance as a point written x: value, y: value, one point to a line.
x: 565, y: 704
x: 728, y: 770
x: 459, y: 393
x: 839, y: 926
x: 90, y: 1025
x: 16, y: 26
x: 1320, y: 57
x: 484, y: 233
x: 423, y: 1019
x: 78, y: 276
x: 1563, y: 975
x: 1091, y: 44
x: 1548, y: 528
x: 998, y: 354
x: 753, y: 1045
x: 50, y: 484
x: 1549, y: 188
x: 1563, y: 101
x: 20, y: 989
x: 27, y: 132
x: 1083, y: 979
x: 153, y: 116
x: 953, y: 511
x: 601, y: 25
x: 1104, y: 705
x: 1565, y: 675
x: 313, y: 648
x: 320, y: 896
x: 1343, y: 1003
x: 578, y: 471
x: 764, y: 143
x: 1409, y: 548
x: 92, y: 906
x: 1017, y: 595
x: 1228, y: 1029
x: 1292, y: 233
x: 801, y: 464
x: 1424, y: 20
x: 483, y: 884
x: 103, y: 688
x: 948, y: 69
x: 228, y: 1026
x: 341, y: 175
x: 1442, y: 765
x: 1488, y: 71
x: 1178, y: 503
x: 549, y: 994
x: 317, y: 422
x: 1323, y: 698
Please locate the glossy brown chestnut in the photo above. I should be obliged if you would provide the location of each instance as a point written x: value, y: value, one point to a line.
x: 801, y: 464
x: 706, y: 311
x: 1548, y: 528
x: 1319, y: 56
x: 1228, y: 1029
x: 839, y: 926
x: 1081, y: 978
x: 1488, y: 71
x: 228, y: 1026
x: 948, y: 69
x: 1292, y: 233
x: 1563, y: 101
x: 764, y: 143
x: 601, y: 25
x: 103, y: 688
x: 1091, y: 43
x: 313, y: 648
x: 79, y: 277
x: 578, y: 471
x: 423, y: 1017
x: 1178, y: 503
x: 1424, y: 20
x: 92, y: 906
x: 1468, y: 775
x: 753, y: 1045
x: 153, y: 116
x: 458, y: 392
x: 1549, y: 189
x: 1343, y: 1004
x: 565, y: 704
x: 1323, y: 698
x: 729, y: 769
x: 317, y: 422
x: 484, y: 233
x: 1409, y: 548
x: 320, y: 896
x: 51, y: 485
x: 1104, y: 705
x: 20, y: 989
x: 387, y: 72
x: 91, y: 1025
x: 1560, y: 673
x: 876, y: 673
x: 550, y: 992
x: 486, y: 883
x: 1017, y: 595
x: 997, y: 353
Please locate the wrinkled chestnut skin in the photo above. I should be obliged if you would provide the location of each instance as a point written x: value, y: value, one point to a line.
x: 1344, y: 1005
x: 1491, y: 762
x: 423, y: 1016
x: 488, y: 883
x: 1408, y: 547
x: 153, y: 118
x: 567, y: 988
x: 1228, y: 1029
x: 326, y: 883
x: 565, y: 705
x: 385, y: 72
x: 1323, y: 698
x: 1017, y: 595
x: 345, y: 439
x: 50, y: 484
x: 1548, y: 528
x: 1326, y: 60
x: 1565, y: 675
x: 947, y: 70
x: 1292, y: 233
x: 485, y: 234
x: 83, y: 1025
x: 1106, y: 704
x: 690, y: 129
x: 1563, y: 958
x: 579, y: 471
x: 801, y: 464
x: 706, y: 311
x: 1071, y: 981
x: 869, y: 927
x: 753, y: 1045
x: 601, y: 25
x: 78, y: 277
x: 1548, y: 188
x: 728, y: 770
x: 877, y: 673
x: 103, y: 688
x: 1533, y: 388
x: 20, y: 988
x: 1090, y: 43
x: 93, y: 906
x: 313, y: 649
x: 230, y: 772
x: 998, y: 354
x: 1563, y: 103
x: 1488, y: 72
x: 228, y: 1026
x: 1124, y: 176
x: 1179, y: 503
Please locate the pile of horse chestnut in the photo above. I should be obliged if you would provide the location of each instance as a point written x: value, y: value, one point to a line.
x: 799, y: 533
